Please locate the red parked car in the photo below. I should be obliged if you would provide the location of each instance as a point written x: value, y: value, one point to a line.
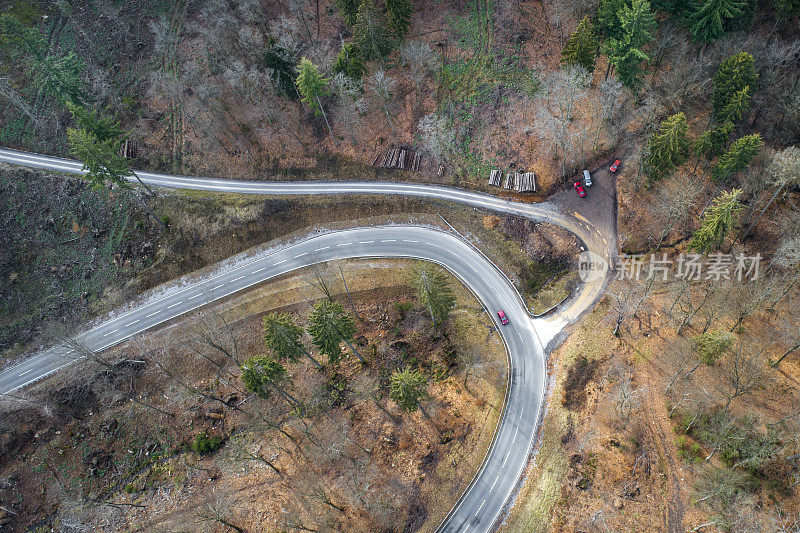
x: 579, y: 188
x: 615, y: 166
x: 502, y: 316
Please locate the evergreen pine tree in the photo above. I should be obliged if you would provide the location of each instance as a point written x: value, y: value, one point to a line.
x: 737, y: 106
x: 348, y: 9
x: 718, y: 221
x: 407, y: 387
x: 264, y: 375
x: 734, y: 74
x: 371, y: 32
x: 329, y: 326
x: 399, y: 12
x: 625, y: 52
x: 282, y: 336
x: 434, y: 292
x: 582, y: 47
x: 350, y: 62
x: 709, y: 18
x: 668, y: 147
x: 739, y: 155
x: 313, y: 86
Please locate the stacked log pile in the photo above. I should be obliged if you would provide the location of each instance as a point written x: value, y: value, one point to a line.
x: 518, y: 181
x: 398, y: 158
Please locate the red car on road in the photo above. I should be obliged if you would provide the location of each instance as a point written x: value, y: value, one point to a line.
x: 579, y: 188
x: 502, y: 316
x: 615, y: 166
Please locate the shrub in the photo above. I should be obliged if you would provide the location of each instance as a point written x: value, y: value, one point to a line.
x: 578, y: 376
x: 204, y: 444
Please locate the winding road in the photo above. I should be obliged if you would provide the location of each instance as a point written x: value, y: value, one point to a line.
x: 527, y: 339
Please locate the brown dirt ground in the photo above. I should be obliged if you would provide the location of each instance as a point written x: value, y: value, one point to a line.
x: 99, y: 451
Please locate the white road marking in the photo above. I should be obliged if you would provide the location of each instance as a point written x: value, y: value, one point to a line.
x: 153, y: 314
x: 173, y: 305
x: 278, y: 263
x: 479, y: 508
x: 365, y: 242
x: 301, y: 255
x: 495, y: 482
x: 27, y: 372
x: 344, y: 244
x: 195, y: 296
x: 323, y: 248
x: 217, y: 287
x: 515, y: 436
x: 506, y: 459
x: 131, y: 323
x: 390, y: 240
x: 109, y: 333
x: 257, y: 271
x: 406, y: 240
x: 236, y: 279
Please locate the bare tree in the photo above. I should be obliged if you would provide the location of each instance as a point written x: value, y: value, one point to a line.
x: 673, y: 202
x: 219, y: 509
x: 744, y: 371
x: 382, y: 86
x: 437, y: 136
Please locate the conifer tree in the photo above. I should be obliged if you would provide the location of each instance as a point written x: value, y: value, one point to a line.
x: 282, y: 336
x: 348, y: 9
x: 434, y: 292
x: 625, y: 52
x: 350, y: 62
x: 734, y: 74
x: 718, y: 221
x: 739, y: 155
x: 709, y: 18
x: 407, y: 387
x: 313, y: 86
x: 668, y: 147
x: 582, y: 47
x: 371, y: 32
x: 264, y: 375
x: 329, y: 326
x: 399, y: 12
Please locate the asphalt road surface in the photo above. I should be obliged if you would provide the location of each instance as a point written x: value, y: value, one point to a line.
x: 526, y: 338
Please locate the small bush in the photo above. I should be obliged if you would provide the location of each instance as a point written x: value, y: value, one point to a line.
x: 578, y: 376
x: 536, y: 275
x: 204, y: 445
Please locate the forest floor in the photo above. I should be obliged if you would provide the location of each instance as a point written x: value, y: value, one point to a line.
x: 79, y: 447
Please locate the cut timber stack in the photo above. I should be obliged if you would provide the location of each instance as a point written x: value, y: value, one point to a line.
x: 518, y: 181
x: 398, y: 158
x: 525, y: 182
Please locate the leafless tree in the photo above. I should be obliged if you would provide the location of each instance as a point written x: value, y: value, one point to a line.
x: 219, y: 510
x: 242, y: 447
x: 383, y: 86
x: 744, y: 372
x: 673, y: 202
x: 789, y: 329
x: 626, y: 301
x: 437, y: 137
x: 748, y: 298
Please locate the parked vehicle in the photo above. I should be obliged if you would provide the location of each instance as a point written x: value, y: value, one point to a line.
x: 502, y: 316
x: 615, y: 166
x: 587, y: 178
x: 579, y: 188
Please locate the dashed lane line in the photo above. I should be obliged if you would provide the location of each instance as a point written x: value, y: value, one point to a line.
x: 153, y: 314
x: 279, y: 262
x: 109, y: 333
x: 195, y: 296
x: 174, y: 305
x: 27, y: 372
x: 259, y: 270
x: 479, y: 508
x: 236, y: 279
x: 132, y: 323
